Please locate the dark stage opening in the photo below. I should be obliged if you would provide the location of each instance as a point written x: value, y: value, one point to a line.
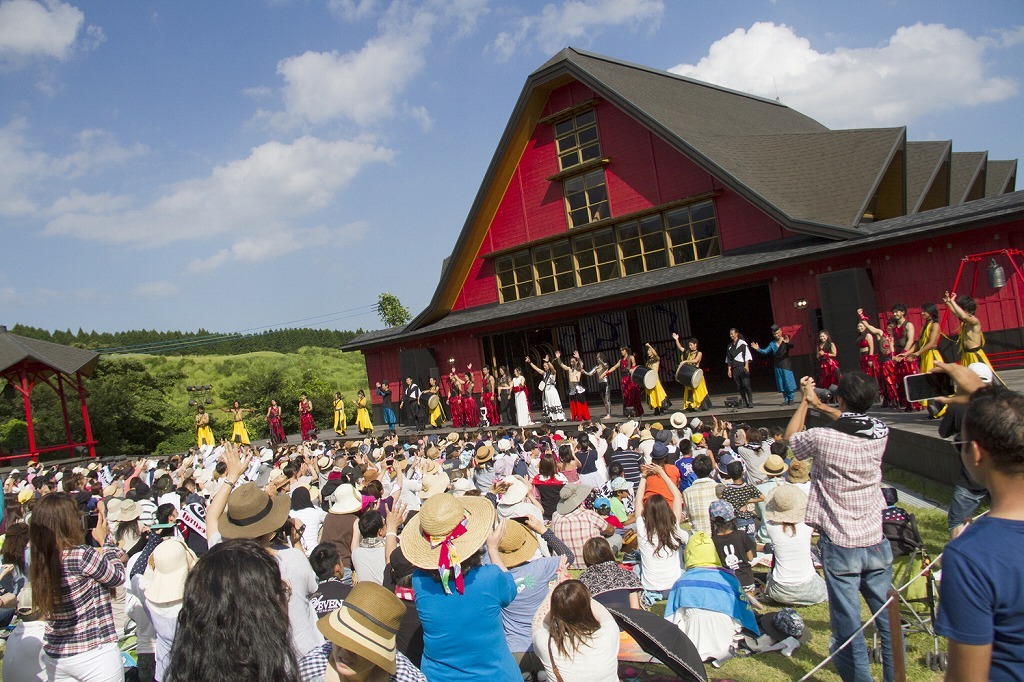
x: 711, y: 317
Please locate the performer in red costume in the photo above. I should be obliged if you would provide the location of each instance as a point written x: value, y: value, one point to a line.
x: 306, y: 423
x: 488, y: 396
x: 630, y: 391
x: 904, y: 344
x: 277, y: 434
x: 828, y: 365
x: 886, y: 366
x: 455, y: 399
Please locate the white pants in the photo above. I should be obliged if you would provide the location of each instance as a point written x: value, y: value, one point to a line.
x: 102, y: 664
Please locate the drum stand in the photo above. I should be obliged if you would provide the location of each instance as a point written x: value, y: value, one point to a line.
x: 484, y: 422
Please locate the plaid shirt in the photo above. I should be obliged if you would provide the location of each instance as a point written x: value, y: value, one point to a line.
x: 313, y: 666
x: 575, y: 528
x: 84, y: 619
x: 698, y: 498
x: 846, y: 499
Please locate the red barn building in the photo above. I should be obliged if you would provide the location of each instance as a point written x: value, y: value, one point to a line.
x: 625, y: 203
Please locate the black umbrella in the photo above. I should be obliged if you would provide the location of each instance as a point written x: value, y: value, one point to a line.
x: 664, y: 641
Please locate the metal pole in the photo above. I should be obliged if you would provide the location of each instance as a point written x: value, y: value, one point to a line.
x: 26, y: 391
x: 899, y: 663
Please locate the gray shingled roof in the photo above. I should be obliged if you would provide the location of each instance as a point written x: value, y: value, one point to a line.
x: 963, y: 173
x: 1000, y: 177
x: 924, y: 159
x: 756, y: 258
x: 66, y: 359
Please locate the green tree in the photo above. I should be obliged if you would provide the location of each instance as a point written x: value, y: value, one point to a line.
x: 128, y: 408
x: 391, y: 311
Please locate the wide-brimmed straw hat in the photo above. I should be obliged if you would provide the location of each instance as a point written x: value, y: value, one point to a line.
x: 516, y: 492
x: 367, y: 624
x: 518, y: 544
x: 774, y: 465
x: 484, y: 453
x: 434, y: 484
x: 570, y: 497
x: 113, y: 506
x: 646, y: 435
x: 799, y: 471
x: 452, y: 437
x: 165, y: 579
x: 786, y: 504
x: 251, y: 513
x: 130, y: 511
x: 628, y: 428
x: 346, y: 500
x: 426, y: 533
x: 677, y: 420
x: 461, y: 486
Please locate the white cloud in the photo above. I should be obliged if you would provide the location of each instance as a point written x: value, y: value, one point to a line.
x: 258, y: 196
x: 43, y: 29
x: 155, y: 290
x: 558, y: 25
x: 352, y: 10
x: 359, y: 86
x: 268, y: 246
x: 423, y: 116
x: 27, y: 169
x: 921, y: 69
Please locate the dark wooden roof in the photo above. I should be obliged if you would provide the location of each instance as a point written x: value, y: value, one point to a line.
x: 924, y: 163
x: 966, y: 168
x: 752, y: 259
x: 1000, y: 177
x: 65, y: 359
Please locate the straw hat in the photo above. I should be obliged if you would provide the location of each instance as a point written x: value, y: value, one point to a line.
x: 130, y: 510
x: 432, y: 467
x: 433, y: 452
x: 774, y: 465
x: 786, y: 504
x: 434, y: 484
x: 452, y: 437
x: 570, y: 497
x: 518, y: 544
x: 425, y: 533
x: 165, y: 578
x: 367, y: 624
x: 646, y: 435
x: 677, y: 420
x: 799, y: 471
x: 346, y: 500
x: 484, y: 453
x: 251, y: 513
x: 114, y: 508
x: 461, y: 486
x: 325, y: 464
x: 516, y: 493
x: 628, y: 428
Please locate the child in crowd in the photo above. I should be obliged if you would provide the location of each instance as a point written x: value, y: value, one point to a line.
x: 742, y: 496
x: 735, y: 548
x: 330, y: 591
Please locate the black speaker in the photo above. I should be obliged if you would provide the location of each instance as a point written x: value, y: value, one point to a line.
x: 419, y: 364
x: 841, y: 294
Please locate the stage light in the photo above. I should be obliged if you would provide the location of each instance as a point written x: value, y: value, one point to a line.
x: 996, y: 275
x: 8, y: 391
x: 800, y: 304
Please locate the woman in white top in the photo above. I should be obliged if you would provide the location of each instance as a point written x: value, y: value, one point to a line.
x: 310, y: 516
x: 793, y: 580
x: 552, y: 403
x: 522, y: 404
x: 658, y: 536
x: 577, y: 639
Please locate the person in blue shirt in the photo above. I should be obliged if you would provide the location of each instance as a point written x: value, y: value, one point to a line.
x: 981, y: 605
x: 458, y: 598
x: 779, y: 348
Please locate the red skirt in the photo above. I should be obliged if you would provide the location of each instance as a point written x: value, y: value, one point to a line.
x: 903, y: 368
x: 455, y: 405
x: 887, y: 384
x: 470, y: 412
x: 306, y: 425
x: 579, y: 411
x: 631, y: 396
x: 828, y: 371
x: 869, y: 364
x: 492, y: 408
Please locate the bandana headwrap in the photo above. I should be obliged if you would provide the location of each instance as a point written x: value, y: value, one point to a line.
x: 448, y: 562
x: 860, y: 425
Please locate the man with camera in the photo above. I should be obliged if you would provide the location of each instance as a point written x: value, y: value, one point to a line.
x: 845, y: 507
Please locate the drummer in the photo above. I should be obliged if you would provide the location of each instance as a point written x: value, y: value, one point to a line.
x: 693, y: 398
x: 656, y: 396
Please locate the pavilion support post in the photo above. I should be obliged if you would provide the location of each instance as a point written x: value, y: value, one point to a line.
x: 64, y: 412
x: 85, y: 415
x: 26, y: 392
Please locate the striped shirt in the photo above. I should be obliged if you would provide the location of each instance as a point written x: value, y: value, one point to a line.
x: 630, y: 462
x: 84, y: 619
x: 313, y: 666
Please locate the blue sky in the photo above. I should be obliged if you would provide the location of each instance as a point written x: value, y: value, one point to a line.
x: 236, y: 165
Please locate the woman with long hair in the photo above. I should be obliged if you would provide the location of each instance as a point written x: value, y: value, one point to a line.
x: 656, y: 397
x: 630, y: 391
x: 71, y: 585
x: 233, y: 623
x: 310, y: 516
x: 601, y: 370
x: 363, y: 422
x: 547, y: 484
x: 506, y: 406
x: 549, y: 385
x: 866, y: 347
x: 659, y: 538
x: 609, y: 583
x: 340, y: 422
x: 436, y: 414
x: 521, y: 395
x: 577, y: 639
x: 828, y: 365
x: 277, y: 434
x: 14, y: 577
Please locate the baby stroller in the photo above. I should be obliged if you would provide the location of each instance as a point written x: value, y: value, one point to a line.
x: 909, y: 558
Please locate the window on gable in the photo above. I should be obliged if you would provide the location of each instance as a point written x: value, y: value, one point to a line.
x: 597, y: 258
x: 586, y: 198
x: 515, y: 276
x: 576, y: 140
x: 554, y: 267
x: 642, y: 243
x: 692, y: 232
